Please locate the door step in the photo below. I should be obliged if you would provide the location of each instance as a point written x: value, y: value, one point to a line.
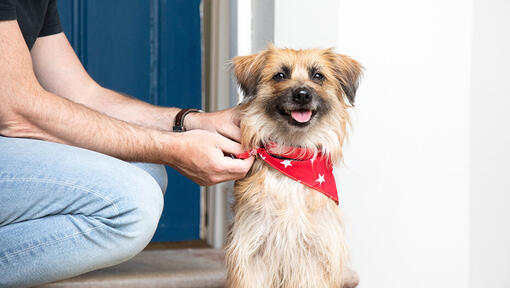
x: 186, y: 268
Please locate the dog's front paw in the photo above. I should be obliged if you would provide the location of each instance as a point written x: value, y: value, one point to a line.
x: 351, y: 279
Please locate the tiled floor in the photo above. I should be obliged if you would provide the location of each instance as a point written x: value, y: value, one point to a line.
x: 185, y: 268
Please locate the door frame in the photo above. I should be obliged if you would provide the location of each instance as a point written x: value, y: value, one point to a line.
x: 219, y: 46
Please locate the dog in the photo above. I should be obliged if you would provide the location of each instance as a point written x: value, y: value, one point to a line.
x: 286, y: 233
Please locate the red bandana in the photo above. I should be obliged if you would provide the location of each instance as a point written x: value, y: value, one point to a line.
x: 300, y: 165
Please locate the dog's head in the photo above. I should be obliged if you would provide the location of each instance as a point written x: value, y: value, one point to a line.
x: 296, y: 97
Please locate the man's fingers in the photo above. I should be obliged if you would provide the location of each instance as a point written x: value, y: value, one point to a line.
x: 238, y: 168
x: 236, y: 119
x: 229, y: 125
x: 231, y: 131
x: 228, y: 146
x: 233, y: 168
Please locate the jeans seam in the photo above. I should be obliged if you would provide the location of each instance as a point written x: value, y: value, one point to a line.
x: 67, y: 184
x: 9, y: 255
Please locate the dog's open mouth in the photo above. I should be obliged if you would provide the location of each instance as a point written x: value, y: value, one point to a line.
x: 299, y: 117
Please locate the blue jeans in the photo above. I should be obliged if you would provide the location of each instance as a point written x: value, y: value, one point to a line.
x: 65, y: 210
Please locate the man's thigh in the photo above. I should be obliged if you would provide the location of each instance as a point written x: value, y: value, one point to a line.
x: 39, y: 178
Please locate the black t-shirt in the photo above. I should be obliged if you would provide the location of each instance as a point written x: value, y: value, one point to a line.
x: 36, y: 18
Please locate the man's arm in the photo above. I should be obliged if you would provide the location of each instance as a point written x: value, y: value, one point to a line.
x: 59, y: 70
x: 28, y: 110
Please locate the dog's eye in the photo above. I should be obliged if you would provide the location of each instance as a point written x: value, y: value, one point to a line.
x: 318, y: 77
x: 279, y: 76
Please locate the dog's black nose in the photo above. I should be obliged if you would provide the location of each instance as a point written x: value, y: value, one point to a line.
x: 302, y: 96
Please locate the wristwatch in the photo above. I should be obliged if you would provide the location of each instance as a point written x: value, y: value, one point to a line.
x: 179, y: 119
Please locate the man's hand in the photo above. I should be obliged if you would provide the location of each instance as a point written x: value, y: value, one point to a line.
x: 202, y: 153
x: 224, y: 122
x: 200, y: 156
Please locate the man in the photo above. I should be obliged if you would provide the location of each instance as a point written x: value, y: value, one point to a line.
x: 69, y: 200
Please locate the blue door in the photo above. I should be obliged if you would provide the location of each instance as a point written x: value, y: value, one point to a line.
x: 149, y: 49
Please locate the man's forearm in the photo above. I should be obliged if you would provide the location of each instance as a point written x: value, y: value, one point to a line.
x: 59, y: 71
x: 49, y: 117
x: 132, y: 110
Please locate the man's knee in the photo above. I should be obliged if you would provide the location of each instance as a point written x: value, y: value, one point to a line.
x: 157, y: 171
x: 138, y: 202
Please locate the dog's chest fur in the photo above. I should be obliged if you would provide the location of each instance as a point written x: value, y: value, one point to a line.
x: 284, y: 233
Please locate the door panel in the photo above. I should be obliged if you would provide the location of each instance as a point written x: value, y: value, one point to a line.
x: 150, y: 50
x: 118, y: 45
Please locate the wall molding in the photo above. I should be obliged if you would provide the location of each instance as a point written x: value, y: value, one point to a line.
x: 154, y: 52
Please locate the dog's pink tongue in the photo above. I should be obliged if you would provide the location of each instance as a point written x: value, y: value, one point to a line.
x: 301, y: 116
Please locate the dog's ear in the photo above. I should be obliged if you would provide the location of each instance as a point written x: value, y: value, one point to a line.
x: 348, y: 72
x: 247, y: 70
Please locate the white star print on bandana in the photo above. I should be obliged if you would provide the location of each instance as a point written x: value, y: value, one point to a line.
x: 284, y: 162
x: 320, y: 179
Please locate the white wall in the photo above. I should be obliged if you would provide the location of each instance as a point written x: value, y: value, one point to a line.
x: 490, y: 144
x: 306, y: 24
x: 406, y: 185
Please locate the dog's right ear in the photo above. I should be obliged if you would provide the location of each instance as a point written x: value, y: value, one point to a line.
x: 247, y: 70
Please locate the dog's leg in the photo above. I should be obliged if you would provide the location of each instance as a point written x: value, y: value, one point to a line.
x: 351, y: 279
x: 253, y: 274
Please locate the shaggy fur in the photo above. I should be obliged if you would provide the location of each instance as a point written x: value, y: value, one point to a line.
x: 284, y: 234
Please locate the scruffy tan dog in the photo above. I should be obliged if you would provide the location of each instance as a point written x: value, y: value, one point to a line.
x: 286, y: 234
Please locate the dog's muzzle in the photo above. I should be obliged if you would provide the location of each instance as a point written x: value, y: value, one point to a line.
x: 298, y: 106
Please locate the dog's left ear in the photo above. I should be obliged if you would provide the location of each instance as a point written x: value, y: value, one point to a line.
x: 247, y: 71
x: 348, y: 72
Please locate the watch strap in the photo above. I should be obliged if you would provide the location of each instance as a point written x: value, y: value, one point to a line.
x: 179, y: 119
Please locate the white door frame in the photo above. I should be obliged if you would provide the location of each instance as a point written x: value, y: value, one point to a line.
x: 219, y: 94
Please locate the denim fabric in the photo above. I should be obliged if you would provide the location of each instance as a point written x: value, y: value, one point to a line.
x: 65, y: 210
